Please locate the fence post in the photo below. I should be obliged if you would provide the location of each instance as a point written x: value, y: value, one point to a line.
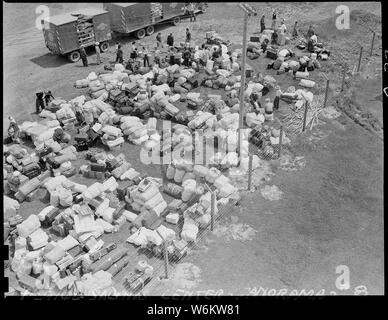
x: 305, y: 115
x: 213, y: 205
x: 343, y: 77
x: 326, y: 92
x: 250, y: 172
x: 280, y: 140
x: 373, y: 42
x: 359, y: 60
x: 165, y: 258
x: 162, y: 173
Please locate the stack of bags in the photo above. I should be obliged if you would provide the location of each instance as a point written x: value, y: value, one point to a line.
x: 143, y: 236
x: 66, y: 114
x: 146, y: 198
x: 113, y: 137
x: 135, y: 130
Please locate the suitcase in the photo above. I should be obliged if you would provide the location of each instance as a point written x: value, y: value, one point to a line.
x: 44, y: 152
x: 59, y: 230
x: 122, y: 189
x: 99, y: 167
x: 50, y: 217
x: 81, y: 147
x: 114, y: 94
x: 254, y: 39
x: 272, y: 53
x: 173, y: 190
x: 81, y: 137
x: 93, y: 135
x: 249, y: 73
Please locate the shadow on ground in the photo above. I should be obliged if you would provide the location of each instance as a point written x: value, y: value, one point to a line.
x: 50, y: 60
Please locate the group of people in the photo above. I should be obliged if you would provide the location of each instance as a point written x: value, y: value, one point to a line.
x: 282, y: 27
x: 43, y: 99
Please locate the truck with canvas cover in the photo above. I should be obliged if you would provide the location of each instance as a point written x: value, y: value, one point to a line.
x: 65, y: 33
x: 141, y: 18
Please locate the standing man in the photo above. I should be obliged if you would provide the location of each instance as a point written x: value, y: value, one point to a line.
x: 146, y: 60
x: 283, y: 28
x: 119, y: 55
x: 188, y: 35
x: 170, y: 40
x: 98, y: 52
x: 39, y: 103
x: 132, y: 50
x: 159, y: 41
x: 274, y: 14
x: 262, y: 23
x: 295, y: 31
x: 48, y: 97
x: 172, y: 56
x: 13, y: 130
x: 277, y: 98
x: 275, y: 37
x: 83, y: 55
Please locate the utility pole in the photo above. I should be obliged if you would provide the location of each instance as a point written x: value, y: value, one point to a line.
x: 248, y: 11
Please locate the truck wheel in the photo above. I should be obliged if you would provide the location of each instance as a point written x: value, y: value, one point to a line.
x: 176, y: 21
x: 150, y: 30
x: 140, y: 34
x: 104, y: 46
x: 74, y: 56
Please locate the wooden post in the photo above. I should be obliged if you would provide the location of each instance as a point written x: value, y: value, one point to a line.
x: 326, y: 93
x: 373, y: 42
x: 242, y: 88
x: 359, y: 60
x: 203, y: 147
x: 165, y: 258
x: 162, y: 173
x: 280, y: 140
x: 213, y: 206
x: 305, y: 115
x: 343, y: 77
x: 250, y: 172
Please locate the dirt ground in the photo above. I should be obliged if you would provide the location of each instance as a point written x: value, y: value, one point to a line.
x: 330, y: 212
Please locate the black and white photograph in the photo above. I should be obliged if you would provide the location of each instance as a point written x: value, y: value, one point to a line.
x: 217, y: 149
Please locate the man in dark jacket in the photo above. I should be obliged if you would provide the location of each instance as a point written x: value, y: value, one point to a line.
x: 275, y: 37
x: 13, y: 130
x: 188, y: 35
x: 159, y: 41
x: 39, y: 103
x: 170, y: 40
x: 83, y: 56
x: 186, y: 57
x: 262, y: 23
x: 310, y: 45
x: 119, y: 55
x: 48, y: 97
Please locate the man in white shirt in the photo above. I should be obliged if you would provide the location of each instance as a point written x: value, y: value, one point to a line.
x: 283, y: 27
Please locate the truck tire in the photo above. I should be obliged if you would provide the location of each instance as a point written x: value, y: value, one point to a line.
x: 176, y: 21
x: 104, y: 46
x: 150, y: 30
x: 140, y: 34
x: 74, y: 56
